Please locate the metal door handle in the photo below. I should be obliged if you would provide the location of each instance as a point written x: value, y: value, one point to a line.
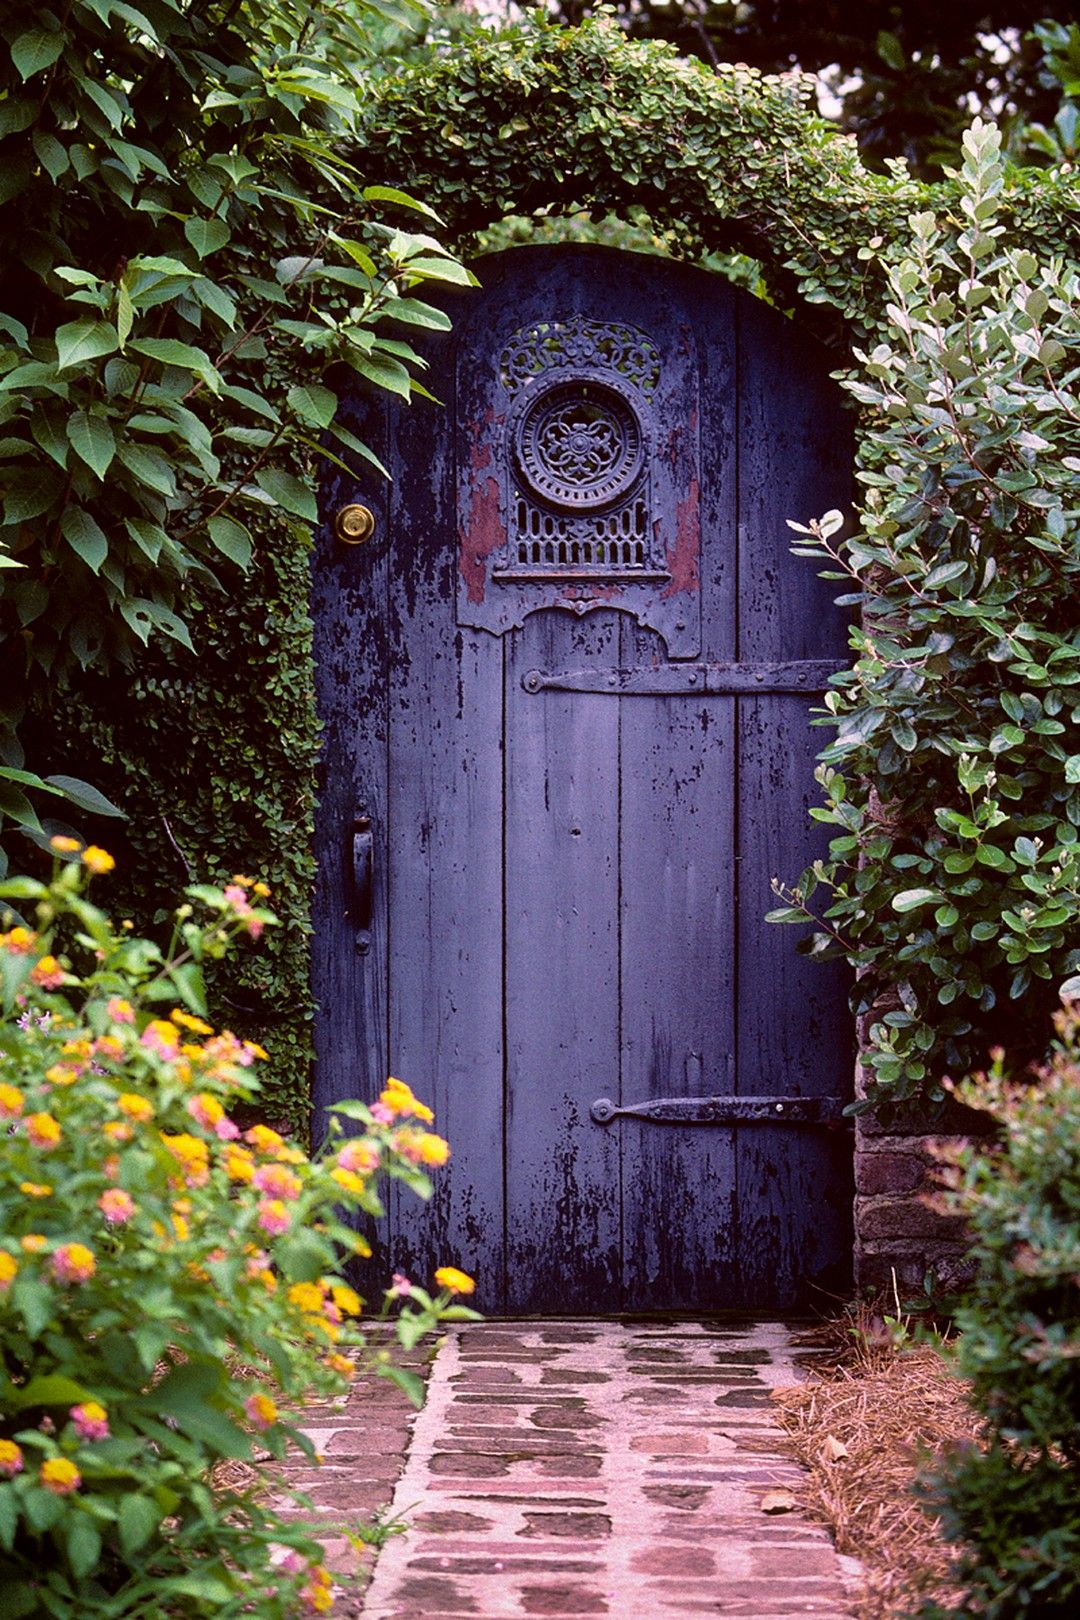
x: 363, y: 861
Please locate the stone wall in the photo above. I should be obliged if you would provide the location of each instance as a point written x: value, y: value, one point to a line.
x: 897, y: 1231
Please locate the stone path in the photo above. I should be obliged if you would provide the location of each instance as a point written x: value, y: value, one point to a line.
x: 604, y: 1468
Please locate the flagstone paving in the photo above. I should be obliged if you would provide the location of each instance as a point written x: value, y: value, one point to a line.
x: 600, y: 1468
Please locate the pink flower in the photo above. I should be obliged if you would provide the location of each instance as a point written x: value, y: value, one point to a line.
x: 161, y: 1037
x: 273, y: 1216
x: 120, y: 1011
x: 359, y: 1155
x: 401, y: 1286
x: 381, y: 1113
x: 277, y: 1181
x: 91, y: 1421
x: 73, y: 1263
x: 285, y: 1558
x: 225, y: 1130
x: 116, y: 1206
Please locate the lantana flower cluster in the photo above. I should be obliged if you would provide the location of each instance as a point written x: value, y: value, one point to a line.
x: 172, y: 1275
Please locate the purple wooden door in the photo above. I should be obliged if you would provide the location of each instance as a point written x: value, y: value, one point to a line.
x: 566, y: 689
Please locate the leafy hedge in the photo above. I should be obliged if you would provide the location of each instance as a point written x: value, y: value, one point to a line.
x: 1012, y: 1504
x: 953, y: 885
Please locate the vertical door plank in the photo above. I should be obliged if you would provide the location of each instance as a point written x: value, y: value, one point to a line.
x: 445, y: 871
x: 562, y: 972
x: 349, y: 589
x: 680, y: 1230
x: 794, y: 1029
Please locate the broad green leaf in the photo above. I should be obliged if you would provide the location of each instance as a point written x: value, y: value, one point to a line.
x: 431, y: 269
x: 232, y: 539
x: 35, y: 51
x: 85, y: 796
x: 149, y: 467
x: 49, y: 1389
x: 83, y: 1545
x: 287, y: 491
x: 415, y: 313
x: 170, y: 352
x: 149, y: 537
x: 138, y: 1518
x: 85, y: 536
x: 313, y: 403
x: 92, y: 439
x: 50, y: 154
x: 79, y: 341
x: 206, y: 235
x: 387, y: 373
x: 943, y: 573
x: 390, y: 194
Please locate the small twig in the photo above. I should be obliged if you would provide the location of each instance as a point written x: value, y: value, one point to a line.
x: 188, y: 868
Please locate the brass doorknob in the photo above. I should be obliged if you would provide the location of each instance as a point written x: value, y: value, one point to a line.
x: 353, y: 524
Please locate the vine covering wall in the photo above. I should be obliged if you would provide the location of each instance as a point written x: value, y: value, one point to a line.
x: 542, y: 118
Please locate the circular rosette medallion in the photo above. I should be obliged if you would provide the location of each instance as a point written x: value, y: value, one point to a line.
x: 579, y: 445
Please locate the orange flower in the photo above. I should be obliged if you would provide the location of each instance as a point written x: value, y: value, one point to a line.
x: 64, y: 845
x: 33, y: 1243
x: 432, y: 1149
x: 19, y: 942
x: 11, y: 1459
x: 9, y: 1270
x: 35, y: 1189
x: 116, y: 1206
x: 399, y: 1099
x: 261, y: 1412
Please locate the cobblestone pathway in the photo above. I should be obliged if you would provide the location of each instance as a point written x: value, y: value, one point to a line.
x: 603, y: 1469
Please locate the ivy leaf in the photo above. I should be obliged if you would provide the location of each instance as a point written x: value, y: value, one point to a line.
x: 92, y: 439
x: 35, y: 51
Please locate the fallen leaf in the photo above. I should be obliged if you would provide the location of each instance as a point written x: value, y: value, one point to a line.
x: 778, y: 1502
x: 833, y: 1449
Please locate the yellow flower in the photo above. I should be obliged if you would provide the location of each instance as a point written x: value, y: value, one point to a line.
x: 362, y: 1247
x: 432, y: 1149
x: 187, y: 1021
x: 399, y: 1099
x: 346, y: 1299
x: 33, y: 1243
x: 262, y: 890
x: 454, y: 1281
x: 20, y: 941
x: 61, y: 1074
x: 97, y: 860
x: 11, y: 1459
x: 261, y: 1411
x: 307, y: 1296
x: 349, y: 1180
x: 60, y: 1475
x: 263, y: 1139
x: 9, y: 1270
x: 344, y: 1366
x: 116, y: 1131
x: 34, y: 1189
x: 47, y: 973
x: 11, y: 1101
x: 135, y: 1107
x: 181, y: 1228
x: 42, y: 1130
x: 64, y: 845
x: 238, y: 1165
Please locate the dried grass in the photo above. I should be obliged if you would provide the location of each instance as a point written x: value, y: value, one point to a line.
x: 869, y: 1417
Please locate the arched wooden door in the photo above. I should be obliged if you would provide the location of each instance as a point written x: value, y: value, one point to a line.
x: 565, y: 688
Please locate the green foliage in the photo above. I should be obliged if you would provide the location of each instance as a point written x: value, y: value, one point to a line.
x: 178, y: 222
x: 165, y: 1280
x: 1013, y: 1504
x: 906, y: 79
x: 1059, y: 141
x: 953, y: 885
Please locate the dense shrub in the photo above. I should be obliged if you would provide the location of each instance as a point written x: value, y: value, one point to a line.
x: 1014, y: 1506
x: 166, y: 1280
x: 953, y: 781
